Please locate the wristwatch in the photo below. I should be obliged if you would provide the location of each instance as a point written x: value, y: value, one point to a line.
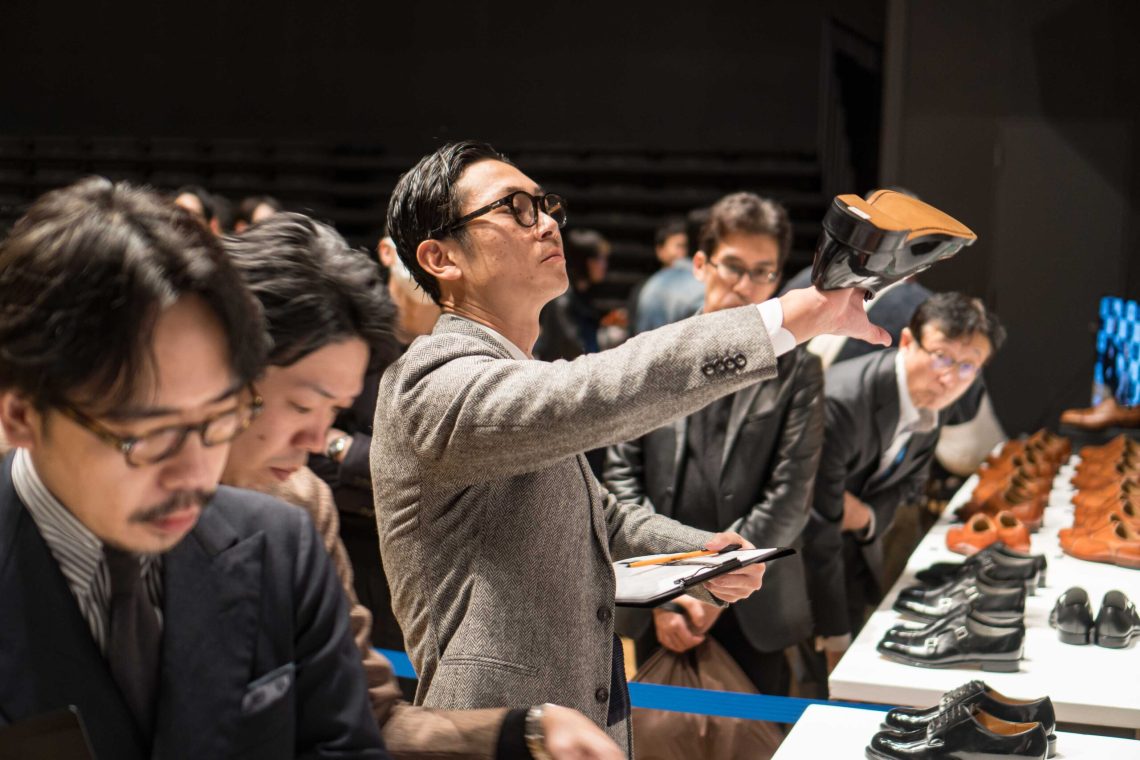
x: 337, y: 447
x: 534, y: 735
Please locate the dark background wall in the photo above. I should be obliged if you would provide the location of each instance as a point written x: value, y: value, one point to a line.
x: 1021, y: 118
x: 668, y: 75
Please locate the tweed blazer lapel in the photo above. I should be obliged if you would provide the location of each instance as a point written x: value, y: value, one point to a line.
x: 50, y: 658
x: 450, y: 323
x: 212, y: 612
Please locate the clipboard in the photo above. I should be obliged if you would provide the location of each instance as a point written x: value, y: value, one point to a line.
x: 653, y: 585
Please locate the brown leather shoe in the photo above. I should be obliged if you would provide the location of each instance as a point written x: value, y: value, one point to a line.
x: 1111, y: 450
x: 1106, y: 414
x: 1126, y: 489
x: 1115, y: 543
x: 983, y: 530
x: 1124, y: 508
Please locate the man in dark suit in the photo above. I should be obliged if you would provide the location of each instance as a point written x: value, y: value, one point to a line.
x: 881, y: 426
x: 743, y: 463
x: 183, y: 619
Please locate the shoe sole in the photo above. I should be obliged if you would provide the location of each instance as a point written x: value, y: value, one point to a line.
x: 992, y: 666
x: 1076, y: 639
x: 1113, y: 642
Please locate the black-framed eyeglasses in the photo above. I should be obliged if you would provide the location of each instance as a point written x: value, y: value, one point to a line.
x: 941, y: 362
x: 523, y: 206
x: 157, y: 445
x: 732, y: 273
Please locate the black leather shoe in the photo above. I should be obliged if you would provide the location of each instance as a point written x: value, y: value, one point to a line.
x: 905, y: 719
x: 1000, y: 602
x: 971, y: 644
x: 1117, y: 622
x: 963, y: 732
x: 956, y: 618
x: 1001, y: 563
x: 1072, y: 617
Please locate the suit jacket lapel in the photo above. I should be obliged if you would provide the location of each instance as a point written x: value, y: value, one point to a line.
x: 741, y: 406
x: 51, y: 659
x: 211, y: 614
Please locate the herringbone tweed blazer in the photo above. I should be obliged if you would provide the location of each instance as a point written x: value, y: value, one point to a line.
x: 496, y: 538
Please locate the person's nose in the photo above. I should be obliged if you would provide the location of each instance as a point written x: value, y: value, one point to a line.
x: 193, y: 466
x: 311, y: 437
x: 545, y: 226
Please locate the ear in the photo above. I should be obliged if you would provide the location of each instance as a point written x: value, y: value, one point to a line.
x: 700, y: 265
x: 906, y: 338
x: 438, y: 260
x: 19, y: 420
x: 386, y: 252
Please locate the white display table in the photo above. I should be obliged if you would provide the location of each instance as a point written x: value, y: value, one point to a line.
x: 840, y: 733
x: 1088, y: 684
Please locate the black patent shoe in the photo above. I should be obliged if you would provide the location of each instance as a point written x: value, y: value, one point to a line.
x: 904, y: 719
x: 963, y: 732
x: 1001, y: 602
x: 1001, y: 563
x: 1117, y: 622
x: 909, y: 633
x: 970, y: 645
x: 1072, y: 617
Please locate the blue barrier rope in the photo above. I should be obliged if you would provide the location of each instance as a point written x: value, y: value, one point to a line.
x: 724, y: 704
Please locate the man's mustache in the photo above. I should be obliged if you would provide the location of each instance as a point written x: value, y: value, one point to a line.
x: 179, y: 500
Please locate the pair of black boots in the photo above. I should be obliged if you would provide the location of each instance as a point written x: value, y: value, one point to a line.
x: 970, y: 722
x: 1115, y: 626
x: 972, y: 613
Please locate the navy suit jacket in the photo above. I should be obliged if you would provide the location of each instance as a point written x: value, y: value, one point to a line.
x: 257, y: 657
x: 861, y: 412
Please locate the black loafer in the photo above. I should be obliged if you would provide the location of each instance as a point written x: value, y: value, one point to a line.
x: 1001, y: 563
x: 963, y: 732
x: 1072, y: 617
x: 1117, y: 622
x: 971, y: 644
x: 1002, y: 602
x: 903, y: 719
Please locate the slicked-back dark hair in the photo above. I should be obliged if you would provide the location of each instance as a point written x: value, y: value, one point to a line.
x: 313, y: 289
x: 747, y: 214
x: 958, y: 315
x: 85, y: 275
x: 425, y: 200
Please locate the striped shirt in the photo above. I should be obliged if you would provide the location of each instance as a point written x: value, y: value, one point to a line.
x: 78, y: 552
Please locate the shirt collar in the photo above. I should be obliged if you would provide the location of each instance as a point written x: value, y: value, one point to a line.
x: 76, y: 549
x: 510, y: 348
x: 911, y: 418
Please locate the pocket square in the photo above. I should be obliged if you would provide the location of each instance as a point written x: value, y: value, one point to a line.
x: 267, y: 689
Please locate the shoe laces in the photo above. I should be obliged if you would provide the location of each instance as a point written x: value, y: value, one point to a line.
x: 965, y: 690
x: 951, y: 716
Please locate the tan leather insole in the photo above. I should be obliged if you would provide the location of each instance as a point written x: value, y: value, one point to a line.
x: 890, y: 210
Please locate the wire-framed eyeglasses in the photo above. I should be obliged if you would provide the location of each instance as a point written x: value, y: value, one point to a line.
x: 732, y: 273
x: 941, y: 362
x: 523, y: 206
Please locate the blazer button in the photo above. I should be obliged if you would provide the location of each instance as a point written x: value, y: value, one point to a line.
x: 741, y: 360
x: 602, y: 695
x: 719, y: 365
x: 604, y: 614
x: 708, y: 369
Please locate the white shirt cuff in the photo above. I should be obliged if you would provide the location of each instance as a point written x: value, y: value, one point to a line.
x: 773, y: 315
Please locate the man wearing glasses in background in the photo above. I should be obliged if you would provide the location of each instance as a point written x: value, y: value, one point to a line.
x: 183, y: 619
x: 744, y: 463
x: 497, y: 540
x: 881, y: 427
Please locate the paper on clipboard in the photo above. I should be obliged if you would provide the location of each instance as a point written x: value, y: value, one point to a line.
x: 651, y: 585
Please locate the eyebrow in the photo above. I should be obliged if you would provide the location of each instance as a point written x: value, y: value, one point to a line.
x: 126, y: 413
x: 319, y: 390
